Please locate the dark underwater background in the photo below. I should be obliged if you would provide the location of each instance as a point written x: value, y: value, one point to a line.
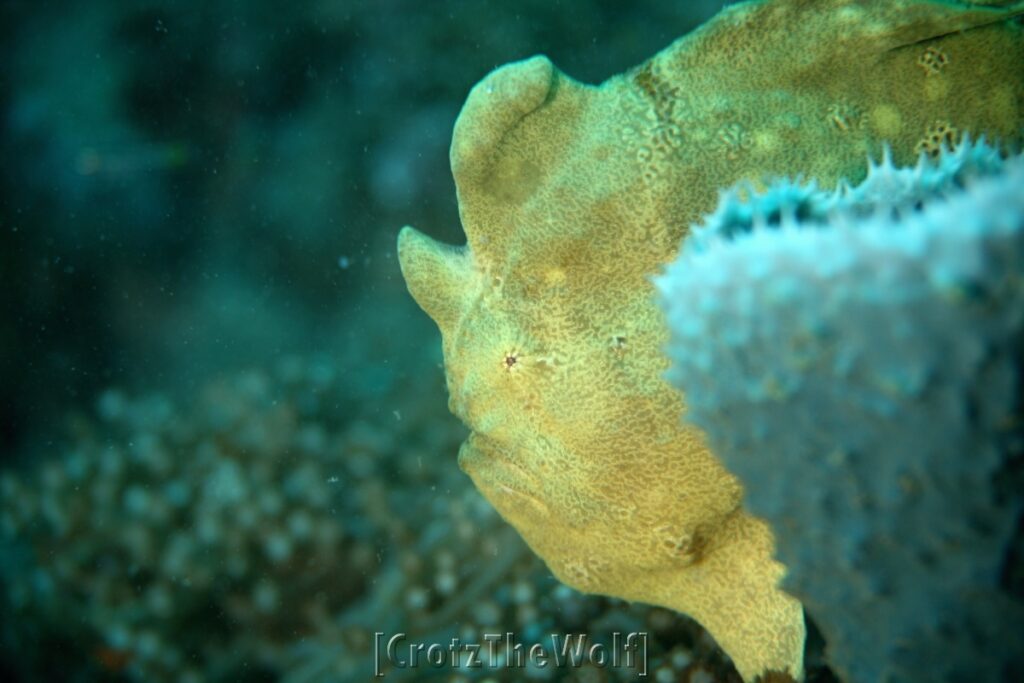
x: 226, y: 453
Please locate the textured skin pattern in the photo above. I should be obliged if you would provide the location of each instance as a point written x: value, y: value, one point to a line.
x: 572, y: 195
x: 860, y: 368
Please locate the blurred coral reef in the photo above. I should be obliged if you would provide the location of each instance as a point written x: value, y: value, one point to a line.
x: 265, y: 532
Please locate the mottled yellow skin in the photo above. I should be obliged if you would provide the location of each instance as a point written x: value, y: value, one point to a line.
x: 571, y: 196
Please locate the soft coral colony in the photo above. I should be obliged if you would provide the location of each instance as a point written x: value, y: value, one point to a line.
x: 573, y: 196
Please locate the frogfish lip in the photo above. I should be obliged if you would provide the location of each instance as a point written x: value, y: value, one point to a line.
x: 502, y: 480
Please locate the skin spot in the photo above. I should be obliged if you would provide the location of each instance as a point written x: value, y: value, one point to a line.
x: 932, y: 60
x: 939, y: 136
x: 514, y: 180
x: 554, y: 277
x: 766, y: 141
x: 886, y: 121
